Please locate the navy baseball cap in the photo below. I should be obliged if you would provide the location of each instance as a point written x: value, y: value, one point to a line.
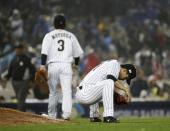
x: 60, y: 21
x: 131, y: 71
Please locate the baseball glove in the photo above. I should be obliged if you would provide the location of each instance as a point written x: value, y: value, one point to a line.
x: 121, y: 96
x: 41, y: 79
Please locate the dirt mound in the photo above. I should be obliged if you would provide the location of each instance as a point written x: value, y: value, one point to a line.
x: 14, y: 117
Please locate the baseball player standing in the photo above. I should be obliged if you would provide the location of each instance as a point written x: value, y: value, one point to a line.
x: 99, y: 84
x: 59, y: 48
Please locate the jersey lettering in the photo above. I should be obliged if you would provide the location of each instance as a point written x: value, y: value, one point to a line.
x: 61, y: 45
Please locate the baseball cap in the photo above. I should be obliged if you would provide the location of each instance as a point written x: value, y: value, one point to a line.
x: 131, y: 71
x: 60, y: 21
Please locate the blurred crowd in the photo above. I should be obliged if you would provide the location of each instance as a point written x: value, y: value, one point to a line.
x: 131, y: 31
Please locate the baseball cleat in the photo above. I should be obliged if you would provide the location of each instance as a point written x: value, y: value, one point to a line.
x: 47, y: 116
x: 66, y: 119
x: 95, y: 119
x: 110, y: 119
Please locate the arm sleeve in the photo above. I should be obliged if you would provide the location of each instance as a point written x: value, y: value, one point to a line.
x: 9, y: 71
x: 114, y: 69
x: 45, y: 45
x: 43, y: 59
x: 32, y: 70
x: 77, y: 50
x: 76, y: 59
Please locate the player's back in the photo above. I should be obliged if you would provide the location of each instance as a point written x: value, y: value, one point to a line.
x: 60, y: 46
x: 100, y: 72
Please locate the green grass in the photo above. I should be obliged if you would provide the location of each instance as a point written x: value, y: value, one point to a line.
x: 126, y: 124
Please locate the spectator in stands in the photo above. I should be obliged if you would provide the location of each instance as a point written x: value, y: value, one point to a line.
x: 156, y: 84
x: 128, y: 28
x: 16, y: 25
x: 144, y: 59
x: 40, y: 28
x: 139, y: 84
x: 91, y: 60
x: 166, y: 64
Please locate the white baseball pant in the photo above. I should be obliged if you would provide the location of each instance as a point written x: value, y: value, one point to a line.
x: 60, y: 72
x: 92, y: 93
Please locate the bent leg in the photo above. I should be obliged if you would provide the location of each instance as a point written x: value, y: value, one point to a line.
x: 108, y: 92
x: 94, y: 110
x: 91, y: 94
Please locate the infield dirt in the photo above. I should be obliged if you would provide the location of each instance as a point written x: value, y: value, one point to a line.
x: 15, y: 117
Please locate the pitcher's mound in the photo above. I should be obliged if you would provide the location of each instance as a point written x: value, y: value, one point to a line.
x: 14, y: 117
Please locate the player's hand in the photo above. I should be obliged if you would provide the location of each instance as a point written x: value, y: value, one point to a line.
x: 120, y: 85
x: 42, y: 68
x: 75, y: 67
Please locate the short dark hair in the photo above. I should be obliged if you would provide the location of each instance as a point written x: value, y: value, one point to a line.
x: 60, y: 21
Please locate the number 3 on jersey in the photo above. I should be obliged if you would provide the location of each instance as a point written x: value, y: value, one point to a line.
x: 61, y: 45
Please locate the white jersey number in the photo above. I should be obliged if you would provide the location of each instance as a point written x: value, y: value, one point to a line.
x: 61, y: 45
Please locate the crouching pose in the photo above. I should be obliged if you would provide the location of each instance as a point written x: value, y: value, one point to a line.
x: 106, y: 82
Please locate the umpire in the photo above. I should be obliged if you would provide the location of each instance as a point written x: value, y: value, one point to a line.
x: 21, y: 70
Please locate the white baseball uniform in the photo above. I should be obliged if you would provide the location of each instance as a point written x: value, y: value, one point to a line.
x: 95, y: 86
x: 60, y: 46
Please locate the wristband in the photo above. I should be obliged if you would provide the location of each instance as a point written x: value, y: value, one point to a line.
x: 112, y: 77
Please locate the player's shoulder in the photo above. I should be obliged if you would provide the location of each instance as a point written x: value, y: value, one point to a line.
x: 68, y: 32
x: 51, y: 32
x: 112, y: 61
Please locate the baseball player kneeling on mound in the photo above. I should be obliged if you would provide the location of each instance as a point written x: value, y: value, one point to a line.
x: 106, y: 82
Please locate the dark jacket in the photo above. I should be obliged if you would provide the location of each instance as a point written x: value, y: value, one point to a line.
x: 21, y: 68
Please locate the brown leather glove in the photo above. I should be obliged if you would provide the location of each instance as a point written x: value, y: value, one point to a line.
x: 121, y: 94
x: 41, y: 79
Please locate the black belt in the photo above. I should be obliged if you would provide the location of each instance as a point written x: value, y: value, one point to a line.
x: 80, y: 87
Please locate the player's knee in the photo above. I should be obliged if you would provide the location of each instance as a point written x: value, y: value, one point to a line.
x: 67, y: 90
x: 53, y: 94
x: 67, y: 93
